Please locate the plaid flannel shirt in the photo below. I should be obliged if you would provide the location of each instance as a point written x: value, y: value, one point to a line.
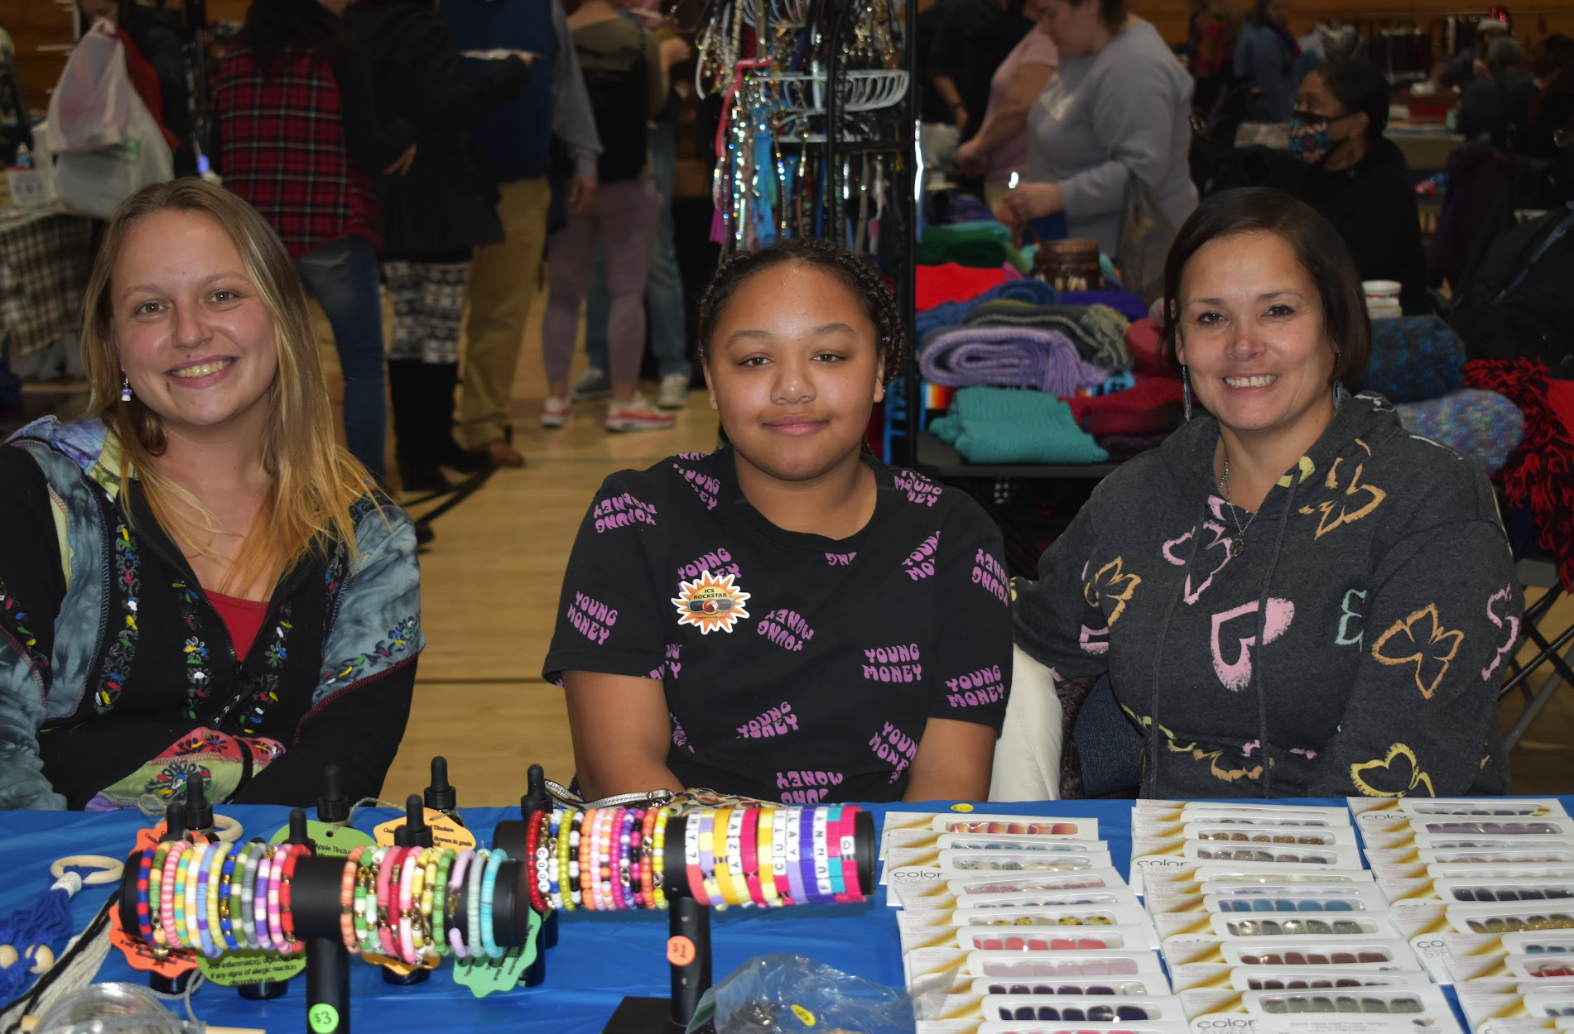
x: 283, y: 149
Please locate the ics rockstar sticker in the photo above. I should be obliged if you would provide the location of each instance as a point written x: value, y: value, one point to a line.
x: 710, y: 604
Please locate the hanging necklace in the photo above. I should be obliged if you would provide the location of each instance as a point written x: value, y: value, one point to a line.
x: 1238, y: 543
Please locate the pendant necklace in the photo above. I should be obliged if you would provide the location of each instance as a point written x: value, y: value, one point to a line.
x: 1238, y: 543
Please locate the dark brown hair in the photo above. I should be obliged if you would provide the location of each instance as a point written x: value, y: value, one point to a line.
x: 1111, y: 12
x: 1318, y: 248
x: 856, y: 274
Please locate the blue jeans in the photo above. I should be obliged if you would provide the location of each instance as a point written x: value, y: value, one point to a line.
x: 663, y: 285
x: 342, y: 275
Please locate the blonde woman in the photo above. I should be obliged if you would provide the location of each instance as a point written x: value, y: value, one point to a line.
x: 195, y: 579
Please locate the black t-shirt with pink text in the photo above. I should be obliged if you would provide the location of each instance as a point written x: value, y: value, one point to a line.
x: 796, y: 667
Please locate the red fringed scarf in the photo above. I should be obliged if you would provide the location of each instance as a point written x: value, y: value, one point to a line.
x: 1539, y: 476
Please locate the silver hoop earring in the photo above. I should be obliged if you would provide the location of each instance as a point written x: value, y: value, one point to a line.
x: 125, y: 389
x: 1185, y: 393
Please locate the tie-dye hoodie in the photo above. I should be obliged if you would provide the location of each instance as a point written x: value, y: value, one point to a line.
x: 1356, y: 640
x: 118, y: 678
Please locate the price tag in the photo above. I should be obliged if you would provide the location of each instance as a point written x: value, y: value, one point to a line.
x: 251, y: 967
x: 331, y: 840
x: 445, y: 831
x: 680, y: 950
x: 487, y: 976
x: 147, y: 957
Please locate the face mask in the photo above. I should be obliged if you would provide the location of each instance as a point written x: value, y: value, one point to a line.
x: 1309, y: 139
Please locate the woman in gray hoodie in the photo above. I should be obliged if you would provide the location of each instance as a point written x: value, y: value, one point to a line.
x: 1293, y: 596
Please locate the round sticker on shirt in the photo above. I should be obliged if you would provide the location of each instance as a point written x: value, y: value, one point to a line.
x: 710, y: 604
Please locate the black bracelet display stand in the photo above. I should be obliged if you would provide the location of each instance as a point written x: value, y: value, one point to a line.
x: 316, y: 906
x: 690, y: 919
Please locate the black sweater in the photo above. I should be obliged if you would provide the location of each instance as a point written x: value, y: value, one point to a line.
x: 1373, y: 206
x: 444, y: 202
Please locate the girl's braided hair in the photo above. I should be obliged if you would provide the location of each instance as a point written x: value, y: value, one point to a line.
x: 856, y: 274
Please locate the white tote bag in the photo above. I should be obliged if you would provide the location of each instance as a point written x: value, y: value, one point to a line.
x: 96, y: 182
x: 91, y: 105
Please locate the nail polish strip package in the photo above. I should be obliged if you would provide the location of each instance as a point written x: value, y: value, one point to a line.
x: 1070, y: 963
x: 1097, y: 1009
x: 1182, y: 928
x: 1240, y: 833
x: 1208, y: 976
x: 953, y: 893
x: 1458, y: 884
x: 981, y: 822
x: 1231, y: 896
x: 1367, y: 1010
x: 1073, y: 985
x: 1149, y: 810
x: 1360, y: 954
x: 1073, y: 1027
x: 1055, y: 938
x: 1047, y: 852
x: 1378, y: 814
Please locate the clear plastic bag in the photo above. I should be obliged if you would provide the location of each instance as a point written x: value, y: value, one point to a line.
x: 112, y: 1009
x: 790, y: 994
x: 91, y: 105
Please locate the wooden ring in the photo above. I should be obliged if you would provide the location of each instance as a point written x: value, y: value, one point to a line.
x: 108, y: 869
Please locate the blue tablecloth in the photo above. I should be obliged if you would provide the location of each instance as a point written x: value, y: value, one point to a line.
x: 600, y: 957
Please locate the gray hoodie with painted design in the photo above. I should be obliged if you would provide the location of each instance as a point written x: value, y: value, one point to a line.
x: 1356, y: 640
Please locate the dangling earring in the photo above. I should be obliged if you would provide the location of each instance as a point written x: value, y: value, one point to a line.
x: 125, y: 388
x: 1185, y: 394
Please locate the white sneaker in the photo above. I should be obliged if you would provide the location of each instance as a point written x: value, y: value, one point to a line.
x: 674, y: 392
x: 592, y: 384
x: 556, y: 412
x: 636, y: 415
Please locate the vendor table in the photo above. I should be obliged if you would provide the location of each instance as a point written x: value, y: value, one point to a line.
x: 45, y: 255
x: 600, y: 956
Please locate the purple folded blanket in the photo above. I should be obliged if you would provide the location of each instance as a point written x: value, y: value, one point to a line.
x: 1007, y: 357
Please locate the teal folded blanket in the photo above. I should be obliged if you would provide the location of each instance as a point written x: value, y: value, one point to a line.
x: 997, y: 425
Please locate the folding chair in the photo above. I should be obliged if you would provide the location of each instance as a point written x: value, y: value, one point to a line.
x: 1553, y: 644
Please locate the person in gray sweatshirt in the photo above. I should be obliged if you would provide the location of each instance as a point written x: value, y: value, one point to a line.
x: 1293, y: 596
x: 1119, y: 106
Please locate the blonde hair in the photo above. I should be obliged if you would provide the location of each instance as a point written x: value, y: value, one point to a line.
x: 315, y: 481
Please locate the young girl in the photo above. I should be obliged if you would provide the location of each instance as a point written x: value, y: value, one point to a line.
x: 787, y: 618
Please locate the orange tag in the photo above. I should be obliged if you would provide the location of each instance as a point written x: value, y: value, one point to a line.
x: 400, y: 966
x: 445, y: 831
x: 147, y: 839
x: 680, y: 950
x: 145, y: 957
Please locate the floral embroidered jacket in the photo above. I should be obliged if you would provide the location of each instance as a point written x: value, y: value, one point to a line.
x: 1356, y: 639
x: 118, y: 679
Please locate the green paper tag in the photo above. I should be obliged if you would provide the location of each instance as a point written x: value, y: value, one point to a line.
x: 251, y: 967
x: 331, y: 840
x: 484, y: 976
x: 324, y: 1019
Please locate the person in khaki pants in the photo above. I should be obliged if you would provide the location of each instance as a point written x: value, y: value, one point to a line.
x: 516, y: 143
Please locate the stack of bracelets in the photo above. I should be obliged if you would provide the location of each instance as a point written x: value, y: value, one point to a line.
x: 394, y: 901
x: 617, y: 858
x: 416, y: 904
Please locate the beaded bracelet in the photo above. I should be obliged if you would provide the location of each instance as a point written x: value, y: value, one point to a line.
x: 275, y: 886
x: 557, y: 833
x: 172, y: 855
x: 215, y: 892
x: 647, y: 847
x: 187, y: 879
x: 751, y: 857
x: 822, y: 866
x: 626, y: 880
x: 735, y: 858
x: 691, y: 857
x: 605, y: 876
x: 847, y: 839
x: 587, y: 842
x: 488, y: 885
x: 385, y: 903
x: 237, y: 888
x: 832, y: 850
x: 365, y: 919
x: 144, y: 910
x: 347, y: 897
x: 611, y: 860
x: 426, y: 928
x: 177, y: 881
x: 658, y: 859
x: 811, y: 885
x: 473, y: 903
x: 567, y: 867
x: 292, y: 943
x: 713, y: 833
x: 456, y: 883
x: 440, y: 902
x: 226, y: 897
x: 411, y: 939
x: 765, y: 846
x: 259, y: 901
x: 535, y: 851
x: 248, y: 887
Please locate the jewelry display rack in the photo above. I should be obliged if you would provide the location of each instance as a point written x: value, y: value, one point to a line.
x: 798, y: 158
x: 316, y: 891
